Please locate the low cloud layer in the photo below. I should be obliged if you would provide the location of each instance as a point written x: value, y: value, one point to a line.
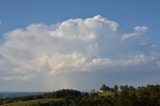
x: 73, y: 46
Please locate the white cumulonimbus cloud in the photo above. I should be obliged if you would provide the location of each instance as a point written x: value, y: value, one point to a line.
x: 75, y: 45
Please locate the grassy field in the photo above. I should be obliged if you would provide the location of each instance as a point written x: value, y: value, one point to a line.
x: 105, y: 93
x: 33, y: 102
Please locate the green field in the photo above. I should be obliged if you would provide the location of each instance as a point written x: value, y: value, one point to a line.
x: 34, y: 102
x: 105, y: 93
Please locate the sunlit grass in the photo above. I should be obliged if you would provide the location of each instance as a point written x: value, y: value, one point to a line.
x: 33, y: 102
x: 105, y: 93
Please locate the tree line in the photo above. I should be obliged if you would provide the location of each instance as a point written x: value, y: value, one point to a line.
x: 117, y: 96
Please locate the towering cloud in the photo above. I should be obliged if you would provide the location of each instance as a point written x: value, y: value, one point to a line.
x: 75, y: 45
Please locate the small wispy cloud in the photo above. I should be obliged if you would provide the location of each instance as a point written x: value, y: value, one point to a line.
x: 10, y: 78
x: 138, y: 31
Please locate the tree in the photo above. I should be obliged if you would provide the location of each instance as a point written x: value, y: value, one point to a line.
x: 116, y: 88
x: 122, y: 88
x: 108, y: 88
x: 103, y: 87
x: 0, y: 101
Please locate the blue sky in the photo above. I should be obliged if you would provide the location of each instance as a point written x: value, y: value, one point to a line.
x: 127, y: 12
x: 105, y: 41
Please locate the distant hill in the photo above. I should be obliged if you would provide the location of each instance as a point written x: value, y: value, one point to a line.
x: 18, y: 94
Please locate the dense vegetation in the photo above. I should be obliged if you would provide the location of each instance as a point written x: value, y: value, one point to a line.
x: 116, y: 96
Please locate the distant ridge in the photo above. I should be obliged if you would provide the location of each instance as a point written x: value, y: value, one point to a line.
x: 18, y: 94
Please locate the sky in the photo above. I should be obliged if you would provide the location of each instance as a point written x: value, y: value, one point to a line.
x: 78, y: 44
